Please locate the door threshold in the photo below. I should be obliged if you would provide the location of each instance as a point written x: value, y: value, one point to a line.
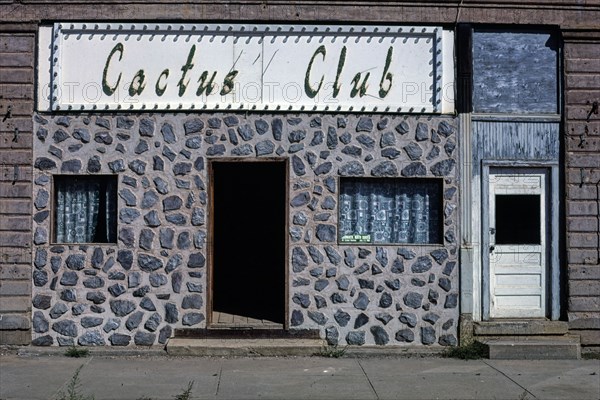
x: 254, y: 333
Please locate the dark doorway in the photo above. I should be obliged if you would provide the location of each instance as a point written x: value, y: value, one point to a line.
x: 249, y: 247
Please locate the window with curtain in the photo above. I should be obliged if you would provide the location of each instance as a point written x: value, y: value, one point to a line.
x: 390, y: 210
x: 85, y: 209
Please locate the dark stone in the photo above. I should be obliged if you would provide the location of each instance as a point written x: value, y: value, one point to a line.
x: 126, y: 236
x: 116, y: 166
x: 44, y: 164
x: 431, y: 318
x: 356, y: 338
x: 193, y: 126
x: 116, y: 276
x: 414, y: 151
x: 333, y: 256
x: 418, y: 282
x: 451, y: 301
x: 146, y: 239
x: 166, y: 237
x: 111, y: 325
x: 321, y: 284
x: 122, y: 308
x: 332, y: 335
x: 168, y: 134
x: 434, y: 153
x: 379, y: 335
x: 297, y: 136
x: 361, y: 302
x: 405, y: 335
x: 68, y: 295
x: 365, y: 124
x: 449, y: 147
x: 366, y: 284
x: 118, y: 339
x: 192, y: 301
x: 386, y: 300
x: 361, y: 319
x: 41, y: 258
x: 141, y: 147
x: 172, y: 203
x: 439, y: 255
x: 320, y: 301
x: 231, y: 120
x: 385, y: 168
x: 445, y: 129
x: 71, y: 166
x: 277, y: 128
x: 443, y: 168
x: 97, y: 309
x: 90, y: 322
x: 318, y: 317
x: 246, y: 132
x: 315, y: 254
x: 384, y: 318
x: 128, y: 215
x: 153, y: 322
x: 41, y: 200
x: 265, y: 147
x: 69, y: 278
x: 422, y: 132
x: 423, y: 264
x: 427, y: 335
x: 342, y: 282
x: 149, y: 263
x: 433, y: 296
x: 409, y: 319
x: 183, y: 241
x: 94, y: 165
x: 349, y: 257
x: 297, y: 318
x: 366, y: 141
x: 60, y: 136
x: 125, y: 258
x: 42, y: 134
x: 324, y: 168
x: 190, y: 319
x: 332, y: 139
x: 391, y: 153
x: 196, y: 260
x: 103, y: 138
x: 165, y: 333
x: 414, y: 169
x: 158, y: 164
x: 40, y: 323
x: 448, y: 340
x: 354, y: 151
x: 173, y: 263
x: 93, y: 282
x: 216, y: 150
x: 137, y: 166
x: 448, y: 268
x: 182, y: 168
x: 43, y: 341
x: 78, y: 309
x: 142, y: 338
x: 393, y: 284
x: 445, y: 284
x: 56, y: 152
x: 58, y: 310
x: 352, y: 168
x: 96, y: 297
x: 40, y: 278
x: 413, y: 299
x: 171, y: 313
x: 117, y: 289
x: 134, y: 320
x: 298, y: 165
x: 63, y: 121
x: 40, y: 236
x: 342, y: 318
x: 300, y: 199
x: 375, y: 270
x: 147, y: 304
x: 301, y: 299
x: 65, y: 328
x: 326, y: 233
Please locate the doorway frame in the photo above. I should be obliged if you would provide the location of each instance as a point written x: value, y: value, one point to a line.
x: 211, y: 224
x: 551, y: 170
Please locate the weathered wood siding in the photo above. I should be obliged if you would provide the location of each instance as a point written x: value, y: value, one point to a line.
x: 582, y: 182
x: 16, y: 124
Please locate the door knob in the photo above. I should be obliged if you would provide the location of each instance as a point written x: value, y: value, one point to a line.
x: 492, y: 247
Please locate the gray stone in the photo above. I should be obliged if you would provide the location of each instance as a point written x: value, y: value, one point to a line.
x: 69, y: 278
x: 391, y: 153
x: 68, y: 295
x: 342, y: 282
x: 119, y: 339
x: 60, y: 136
x: 146, y: 239
x: 149, y: 263
x: 78, y: 309
x: 422, y: 132
x: 356, y: 338
x: 349, y: 257
x: 173, y: 263
x: 216, y: 150
x: 318, y: 317
x: 365, y: 124
x: 387, y: 139
x: 301, y: 299
x: 122, y: 308
x: 413, y: 299
x: 40, y: 236
x: 352, y: 168
x: 147, y: 304
x: 196, y: 260
x: 134, y: 320
x: 65, y: 328
x: 422, y: 264
x: 361, y: 320
x: 361, y: 302
x: 434, y: 153
x: 384, y: 318
x: 300, y: 219
x: 192, y: 301
x: 125, y: 258
x: 190, y: 319
x: 405, y: 335
x: 193, y: 126
x: 165, y: 333
x: 443, y: 168
x: 126, y: 236
x: 183, y: 241
x: 42, y: 134
x: 299, y: 259
x: 431, y: 318
x: 445, y: 129
x: 142, y: 338
x: 297, y: 318
x: 332, y: 336
x: 71, y: 166
x: 40, y: 278
x: 321, y: 284
x: 46, y: 340
x: 182, y: 168
x: 379, y: 335
x: 353, y: 151
x: 172, y: 203
x: 103, y: 137
x: 298, y: 166
x: 366, y: 141
x: 414, y: 169
x: 41, y: 258
x: 393, y: 284
x: 386, y: 300
x: 158, y: 164
x: 153, y: 322
x: 41, y: 199
x: 332, y: 139
x: 449, y: 147
x: 231, y: 120
x: 414, y: 151
x: 342, y: 318
x: 246, y: 132
x: 333, y: 256
x: 149, y: 200
x: 40, y: 323
x: 116, y: 166
x: 125, y: 122
x: 385, y: 168
x: 128, y: 215
x: 315, y: 254
x: 264, y: 148
x: 90, y: 322
x: 111, y: 325
x: 449, y: 267
x: 366, y: 284
x: 427, y: 335
x: 44, y: 164
x: 96, y: 297
x: 300, y: 199
x: 297, y: 136
x: 138, y: 166
x: 93, y: 282
x: 451, y: 301
x: 41, y: 216
x: 58, y: 310
x: 76, y: 262
x: 168, y: 134
x: 409, y: 319
x: 324, y: 168
x: 448, y: 340
x: 171, y: 313
x: 166, y: 237
x: 56, y: 152
x: 117, y: 289
x: 317, y: 139
x: 326, y: 233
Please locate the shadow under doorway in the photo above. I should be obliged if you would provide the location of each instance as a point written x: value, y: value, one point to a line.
x: 249, y: 243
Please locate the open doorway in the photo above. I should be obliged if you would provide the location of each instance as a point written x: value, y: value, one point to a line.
x: 248, y: 273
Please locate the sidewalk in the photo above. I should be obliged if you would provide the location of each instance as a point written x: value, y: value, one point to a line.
x: 155, y: 376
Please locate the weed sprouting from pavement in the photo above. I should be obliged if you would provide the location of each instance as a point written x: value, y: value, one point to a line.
x: 73, y: 389
x: 76, y: 352
x: 187, y: 393
x: 332, y: 351
x: 470, y: 351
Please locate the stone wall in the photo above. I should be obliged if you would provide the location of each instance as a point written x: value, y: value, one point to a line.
x: 154, y: 279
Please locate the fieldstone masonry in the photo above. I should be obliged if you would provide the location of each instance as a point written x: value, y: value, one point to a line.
x: 153, y: 280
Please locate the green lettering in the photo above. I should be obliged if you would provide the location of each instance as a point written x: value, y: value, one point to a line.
x: 342, y: 60
x: 386, y: 76
x: 160, y: 90
x: 363, y: 86
x: 206, y: 86
x: 184, y: 69
x: 310, y: 92
x: 228, y: 82
x: 108, y: 90
x: 137, y: 84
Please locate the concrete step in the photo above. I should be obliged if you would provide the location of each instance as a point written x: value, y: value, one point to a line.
x: 244, y: 347
x: 519, y: 327
x: 534, y: 347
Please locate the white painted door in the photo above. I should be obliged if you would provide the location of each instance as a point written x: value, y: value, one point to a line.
x: 517, y: 238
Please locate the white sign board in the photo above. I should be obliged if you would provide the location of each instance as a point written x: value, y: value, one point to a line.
x: 120, y: 66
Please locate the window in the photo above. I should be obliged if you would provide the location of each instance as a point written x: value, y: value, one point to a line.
x: 85, y: 209
x: 390, y: 210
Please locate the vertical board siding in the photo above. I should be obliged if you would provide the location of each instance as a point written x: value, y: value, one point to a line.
x: 525, y: 141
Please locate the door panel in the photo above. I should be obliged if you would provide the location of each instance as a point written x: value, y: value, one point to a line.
x: 518, y: 245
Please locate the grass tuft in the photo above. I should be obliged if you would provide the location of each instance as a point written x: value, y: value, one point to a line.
x: 187, y: 393
x: 77, y: 352
x: 332, y: 351
x: 471, y: 351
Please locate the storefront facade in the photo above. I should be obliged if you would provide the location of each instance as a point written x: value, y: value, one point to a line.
x: 381, y: 183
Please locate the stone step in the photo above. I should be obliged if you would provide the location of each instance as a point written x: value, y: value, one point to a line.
x: 244, y: 347
x: 534, y: 348
x: 241, y: 332
x: 520, y: 327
